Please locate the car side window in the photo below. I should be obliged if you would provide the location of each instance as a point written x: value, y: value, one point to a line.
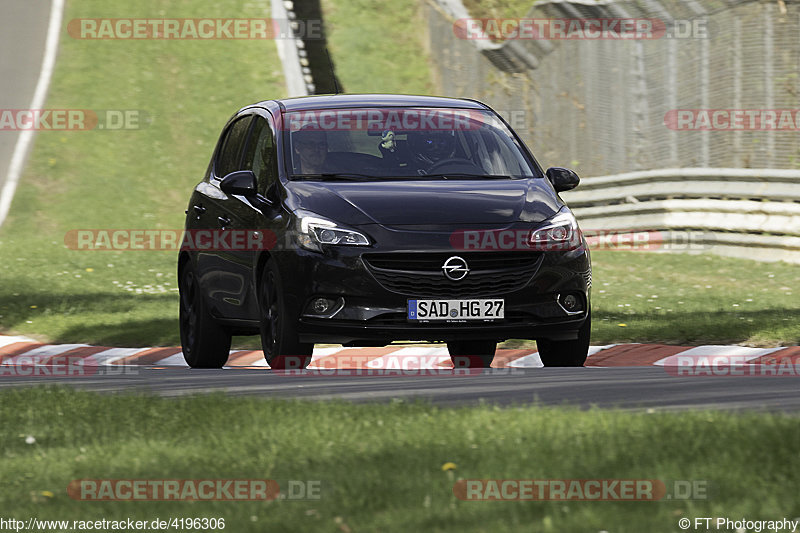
x: 229, y: 155
x: 261, y: 155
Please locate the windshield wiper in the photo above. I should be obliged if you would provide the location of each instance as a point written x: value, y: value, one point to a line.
x: 350, y: 176
x: 457, y: 176
x: 334, y: 176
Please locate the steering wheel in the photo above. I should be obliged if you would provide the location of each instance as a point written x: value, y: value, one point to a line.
x: 464, y: 166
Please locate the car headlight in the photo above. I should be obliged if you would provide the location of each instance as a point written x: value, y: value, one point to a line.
x: 560, y: 232
x: 315, y: 230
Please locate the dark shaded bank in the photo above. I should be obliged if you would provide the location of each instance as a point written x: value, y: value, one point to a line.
x: 311, y: 27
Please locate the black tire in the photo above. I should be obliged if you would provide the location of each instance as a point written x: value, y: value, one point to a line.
x: 205, y: 343
x: 278, y: 325
x: 472, y: 354
x: 567, y: 353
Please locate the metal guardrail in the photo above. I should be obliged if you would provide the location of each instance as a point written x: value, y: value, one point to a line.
x: 750, y: 213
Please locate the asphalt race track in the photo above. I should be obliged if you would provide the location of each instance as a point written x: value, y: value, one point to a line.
x: 23, y: 46
x: 629, y: 376
x: 623, y: 387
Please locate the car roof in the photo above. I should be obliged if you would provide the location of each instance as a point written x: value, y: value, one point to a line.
x: 333, y: 101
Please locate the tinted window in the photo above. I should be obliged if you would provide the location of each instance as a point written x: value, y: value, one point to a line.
x: 404, y: 143
x: 230, y: 154
x: 261, y: 155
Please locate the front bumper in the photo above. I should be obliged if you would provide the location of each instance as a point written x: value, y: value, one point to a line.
x: 374, y: 309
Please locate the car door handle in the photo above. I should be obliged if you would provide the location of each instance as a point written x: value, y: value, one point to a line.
x: 198, y: 210
x: 224, y: 221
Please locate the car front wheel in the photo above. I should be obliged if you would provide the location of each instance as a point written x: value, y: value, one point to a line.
x: 567, y: 353
x: 472, y: 354
x: 278, y: 326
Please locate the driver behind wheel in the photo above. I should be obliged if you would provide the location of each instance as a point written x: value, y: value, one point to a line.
x: 430, y: 147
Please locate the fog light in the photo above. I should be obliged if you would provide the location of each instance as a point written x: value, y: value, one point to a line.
x: 322, y: 305
x: 570, y: 302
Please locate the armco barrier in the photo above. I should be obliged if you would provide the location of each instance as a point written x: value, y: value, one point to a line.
x: 750, y: 213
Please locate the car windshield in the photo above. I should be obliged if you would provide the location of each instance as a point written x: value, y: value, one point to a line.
x: 401, y: 143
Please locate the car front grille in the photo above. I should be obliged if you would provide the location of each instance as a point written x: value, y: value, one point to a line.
x: 420, y: 273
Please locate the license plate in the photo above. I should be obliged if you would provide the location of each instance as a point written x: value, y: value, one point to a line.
x: 455, y: 310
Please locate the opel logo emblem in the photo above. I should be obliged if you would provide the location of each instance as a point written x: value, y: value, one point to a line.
x: 455, y: 268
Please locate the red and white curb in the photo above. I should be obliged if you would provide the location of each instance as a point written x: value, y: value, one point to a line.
x: 16, y: 350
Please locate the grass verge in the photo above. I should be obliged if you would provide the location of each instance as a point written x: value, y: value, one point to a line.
x: 498, y: 8
x: 380, y: 467
x: 694, y: 299
x: 378, y: 47
x: 138, y: 179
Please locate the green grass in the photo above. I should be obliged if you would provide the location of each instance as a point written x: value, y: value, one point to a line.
x: 123, y: 179
x: 498, y: 8
x: 694, y: 299
x: 379, y: 47
x: 380, y: 466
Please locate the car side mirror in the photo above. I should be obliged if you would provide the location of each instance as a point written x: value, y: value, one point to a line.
x: 241, y: 182
x: 563, y: 179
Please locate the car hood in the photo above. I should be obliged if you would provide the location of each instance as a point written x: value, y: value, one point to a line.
x: 427, y: 202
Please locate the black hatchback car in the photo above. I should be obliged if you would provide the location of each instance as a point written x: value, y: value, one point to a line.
x: 366, y: 219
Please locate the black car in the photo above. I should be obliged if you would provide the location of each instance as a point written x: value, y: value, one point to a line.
x: 366, y: 219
